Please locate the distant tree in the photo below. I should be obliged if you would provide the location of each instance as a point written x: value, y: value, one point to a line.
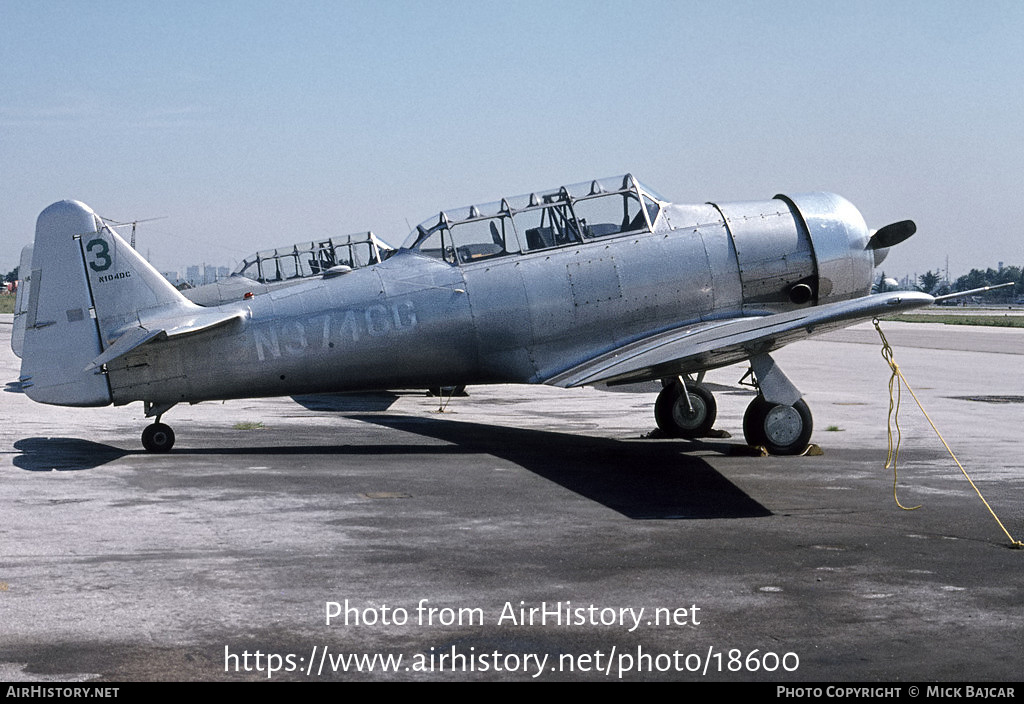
x: 12, y: 275
x: 977, y: 278
x: 929, y: 281
x: 974, y: 279
x: 1009, y: 274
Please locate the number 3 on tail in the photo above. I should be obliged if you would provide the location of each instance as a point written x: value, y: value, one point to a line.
x: 101, y: 257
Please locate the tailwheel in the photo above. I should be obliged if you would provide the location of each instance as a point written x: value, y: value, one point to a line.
x: 784, y: 430
x: 678, y: 419
x: 158, y: 437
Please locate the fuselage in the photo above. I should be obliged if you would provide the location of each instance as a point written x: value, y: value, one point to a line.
x: 519, y: 309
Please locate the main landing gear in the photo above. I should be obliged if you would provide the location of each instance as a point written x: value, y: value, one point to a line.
x: 157, y: 437
x: 686, y: 409
x: 782, y: 429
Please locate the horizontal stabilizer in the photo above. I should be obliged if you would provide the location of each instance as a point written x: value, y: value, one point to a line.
x: 162, y: 330
x: 123, y: 345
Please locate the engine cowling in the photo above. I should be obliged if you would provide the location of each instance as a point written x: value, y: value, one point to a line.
x: 796, y: 250
x: 839, y: 237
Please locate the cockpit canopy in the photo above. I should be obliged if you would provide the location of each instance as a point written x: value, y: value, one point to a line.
x: 536, y: 221
x: 307, y: 259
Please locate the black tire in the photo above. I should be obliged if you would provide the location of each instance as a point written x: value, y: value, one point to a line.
x: 675, y: 418
x: 753, y: 422
x: 158, y: 437
x: 784, y: 430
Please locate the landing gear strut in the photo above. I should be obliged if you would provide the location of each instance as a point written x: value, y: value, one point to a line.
x: 685, y: 412
x: 777, y: 418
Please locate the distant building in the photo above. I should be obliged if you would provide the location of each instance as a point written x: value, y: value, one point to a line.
x: 199, y: 274
x: 175, y: 278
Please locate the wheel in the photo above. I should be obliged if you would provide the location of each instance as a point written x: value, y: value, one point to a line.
x: 784, y: 430
x: 158, y: 437
x: 677, y: 420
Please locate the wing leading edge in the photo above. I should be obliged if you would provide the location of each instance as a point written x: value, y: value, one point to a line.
x: 719, y: 343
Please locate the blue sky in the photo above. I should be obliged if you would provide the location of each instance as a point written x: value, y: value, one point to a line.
x: 254, y: 124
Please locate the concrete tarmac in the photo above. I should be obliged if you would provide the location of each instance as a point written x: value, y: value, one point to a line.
x: 525, y: 533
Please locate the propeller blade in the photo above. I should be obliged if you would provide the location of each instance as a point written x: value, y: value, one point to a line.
x: 892, y: 234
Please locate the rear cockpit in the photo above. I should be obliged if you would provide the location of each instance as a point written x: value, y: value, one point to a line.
x: 286, y: 266
x: 569, y: 215
x: 308, y: 259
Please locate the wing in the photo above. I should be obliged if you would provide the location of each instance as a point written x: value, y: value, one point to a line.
x: 719, y: 343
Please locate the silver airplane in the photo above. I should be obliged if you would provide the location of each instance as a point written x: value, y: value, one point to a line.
x: 599, y: 283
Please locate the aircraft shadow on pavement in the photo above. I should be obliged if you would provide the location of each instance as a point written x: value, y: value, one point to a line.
x: 639, y: 480
x: 63, y: 454
x: 655, y: 480
x: 365, y: 402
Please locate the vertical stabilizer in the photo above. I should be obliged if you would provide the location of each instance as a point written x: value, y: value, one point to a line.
x: 88, y: 288
x: 61, y: 336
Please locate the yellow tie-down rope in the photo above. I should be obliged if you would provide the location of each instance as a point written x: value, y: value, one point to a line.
x: 894, y: 448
